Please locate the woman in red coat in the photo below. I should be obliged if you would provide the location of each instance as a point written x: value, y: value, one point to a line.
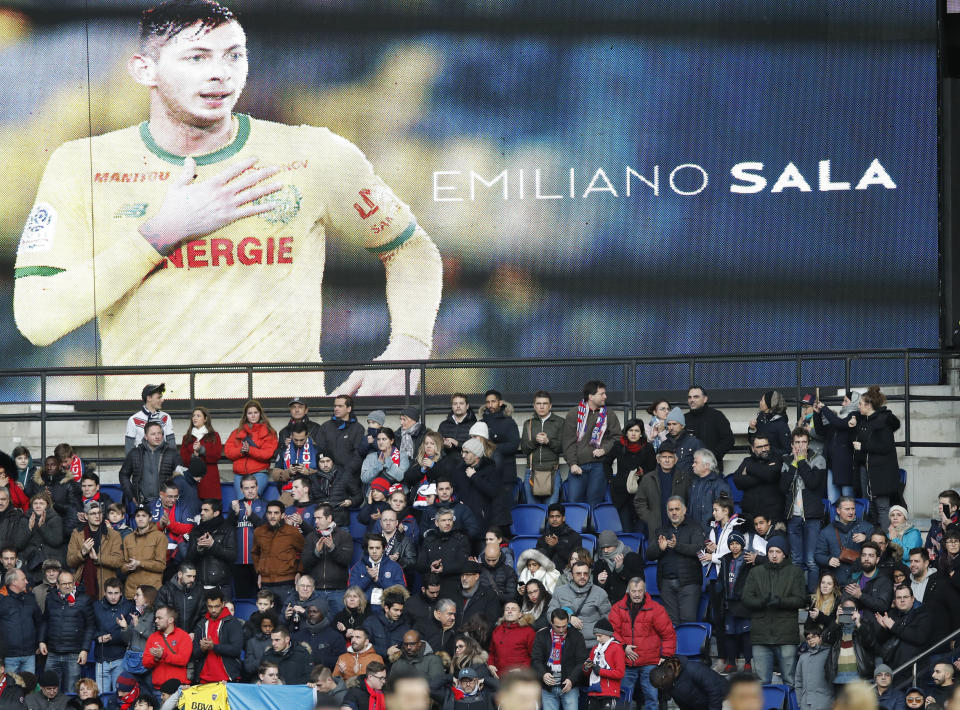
x: 202, y: 441
x: 251, y: 447
x: 511, y: 641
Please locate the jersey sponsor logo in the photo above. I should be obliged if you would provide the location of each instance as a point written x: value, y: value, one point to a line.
x: 371, y: 206
x: 286, y: 204
x: 134, y: 209
x: 39, y: 230
x: 221, y: 251
x: 153, y: 176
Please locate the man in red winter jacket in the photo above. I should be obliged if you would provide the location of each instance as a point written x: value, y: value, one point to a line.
x: 168, y: 649
x: 647, y: 635
x: 605, y: 668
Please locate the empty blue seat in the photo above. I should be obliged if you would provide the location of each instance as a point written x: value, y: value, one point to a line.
x: 113, y: 490
x: 521, y: 544
x: 650, y: 574
x: 606, y: 517
x: 635, y: 541
x: 589, y: 542
x: 691, y: 639
x: 863, y: 507
x: 792, y: 702
x: 271, y: 492
x: 735, y: 492
x: 774, y: 696
x: 227, y: 495
x: 357, y: 552
x: 577, y: 515
x: 528, y: 519
x: 244, y: 608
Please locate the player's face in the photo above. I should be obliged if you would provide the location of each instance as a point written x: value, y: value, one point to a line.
x: 199, y: 76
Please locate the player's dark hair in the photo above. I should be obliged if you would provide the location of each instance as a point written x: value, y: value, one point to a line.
x: 161, y: 23
x: 90, y: 476
x: 592, y: 387
x: 298, y: 428
x: 216, y: 505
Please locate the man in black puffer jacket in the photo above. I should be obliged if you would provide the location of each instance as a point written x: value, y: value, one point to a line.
x: 334, y: 486
x: 758, y: 476
x: 445, y: 552
x: 213, y: 547
x: 19, y: 620
x: 13, y: 526
x: 148, y: 466
x: 13, y: 693
x: 66, y: 631
x: 327, y: 553
x: 183, y: 594
x: 455, y: 429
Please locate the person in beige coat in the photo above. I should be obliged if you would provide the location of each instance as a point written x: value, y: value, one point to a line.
x: 95, y: 551
x: 144, y: 554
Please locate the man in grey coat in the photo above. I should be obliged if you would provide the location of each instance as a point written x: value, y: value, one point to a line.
x: 584, y: 601
x: 414, y: 658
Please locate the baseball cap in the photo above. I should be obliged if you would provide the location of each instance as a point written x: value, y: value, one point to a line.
x: 296, y: 400
x: 91, y: 505
x: 150, y: 389
x: 467, y: 673
x: 808, y: 400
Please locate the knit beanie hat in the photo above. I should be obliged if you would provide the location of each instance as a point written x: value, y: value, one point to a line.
x: 603, y: 626
x: 737, y: 537
x: 473, y: 446
x: 480, y: 429
x: 411, y: 412
x: 778, y: 541
x: 676, y: 415
x: 607, y: 538
x: 380, y: 484
x: 378, y: 416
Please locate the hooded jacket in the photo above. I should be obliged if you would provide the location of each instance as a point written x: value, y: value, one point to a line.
x: 878, y: 453
x: 294, y: 663
x: 229, y: 644
x: 773, y: 593
x: 325, y: 642
x: 759, y: 479
x: 548, y: 574
x: 511, y: 644
x: 646, y: 627
x: 812, y: 473
x: 703, y: 491
x: 150, y: 548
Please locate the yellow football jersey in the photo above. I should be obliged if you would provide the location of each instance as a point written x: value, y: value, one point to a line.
x: 209, y: 696
x: 227, y: 297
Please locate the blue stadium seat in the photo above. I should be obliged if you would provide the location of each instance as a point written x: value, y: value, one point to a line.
x: 114, y: 491
x: 691, y: 639
x: 830, y: 508
x: 578, y: 515
x: 357, y: 552
x: 606, y: 495
x: 792, y: 702
x: 774, y: 697
x: 589, y: 541
x: 650, y: 574
x: 903, y: 476
x: 521, y: 544
x: 518, y: 494
x: 244, y: 607
x: 735, y: 492
x: 863, y: 507
x: 606, y: 517
x: 528, y: 518
x: 357, y: 529
x: 271, y: 492
x: 227, y: 494
x: 702, y: 605
x: 635, y: 541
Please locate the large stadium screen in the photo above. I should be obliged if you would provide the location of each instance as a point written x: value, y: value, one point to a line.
x: 576, y: 179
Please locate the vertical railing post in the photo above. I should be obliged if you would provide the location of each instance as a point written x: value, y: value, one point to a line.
x: 43, y: 415
x: 906, y: 401
x: 799, y: 374
x: 423, y: 392
x: 406, y: 387
x: 626, y: 393
x: 193, y: 389
x: 693, y: 373
x: 846, y: 374
x: 249, y: 382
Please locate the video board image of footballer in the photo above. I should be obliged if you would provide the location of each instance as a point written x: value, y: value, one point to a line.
x: 204, y: 230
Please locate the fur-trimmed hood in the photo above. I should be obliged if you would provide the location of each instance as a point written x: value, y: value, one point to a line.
x: 524, y: 620
x: 38, y: 478
x: 546, y: 564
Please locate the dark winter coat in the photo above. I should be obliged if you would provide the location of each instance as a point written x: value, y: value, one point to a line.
x: 453, y: 549
x: 384, y: 633
x: 616, y: 583
x: 759, y: 479
x: 912, y: 632
x: 63, y: 490
x: 711, y: 427
x: 703, y: 491
x: 229, y: 645
x: 572, y: 655
x: 325, y: 642
x: 345, y: 442
x: 481, y: 491
x: 106, y: 615
x: 13, y: 529
x: 687, y: 444
x: 731, y: 601
x: 501, y: 578
x: 690, y: 539
x: 19, y: 622
x: 465, y: 520
x: 878, y: 452
x: 774, y: 593
x: 449, y: 429
x: 838, y: 444
x: 775, y: 428
x: 484, y: 603
x: 188, y: 602
x: 645, y: 460
x: 505, y: 434
x: 44, y: 542
x: 294, y: 664
x: 813, y: 472
x: 334, y: 488
x: 647, y: 502
x: 568, y: 540
x: 12, y: 697
x: 214, y: 563
x: 330, y: 568
x: 131, y: 471
x: 698, y: 687
x: 829, y: 546
x: 67, y: 627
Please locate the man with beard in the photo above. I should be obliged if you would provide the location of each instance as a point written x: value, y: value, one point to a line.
x: 95, y: 551
x: 758, y: 476
x: 474, y: 598
x: 213, y: 548
x: 419, y: 607
x: 298, y: 457
x: 325, y: 642
x: 181, y: 593
x: 217, y: 642
x: 844, y: 532
x: 584, y: 601
x: 455, y: 429
x: 357, y: 657
x: 276, y: 551
x: 559, y: 540
x: 387, y: 625
x: 335, y: 487
x: 873, y: 590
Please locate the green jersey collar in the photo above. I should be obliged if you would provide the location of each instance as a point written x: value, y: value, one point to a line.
x: 228, y: 151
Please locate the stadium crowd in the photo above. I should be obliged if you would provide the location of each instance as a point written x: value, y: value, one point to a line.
x: 371, y: 562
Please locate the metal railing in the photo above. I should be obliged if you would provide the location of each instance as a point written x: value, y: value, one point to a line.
x: 625, y: 369
x: 912, y: 663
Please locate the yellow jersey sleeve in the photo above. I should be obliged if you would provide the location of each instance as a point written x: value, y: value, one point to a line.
x: 62, y: 253
x: 361, y: 206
